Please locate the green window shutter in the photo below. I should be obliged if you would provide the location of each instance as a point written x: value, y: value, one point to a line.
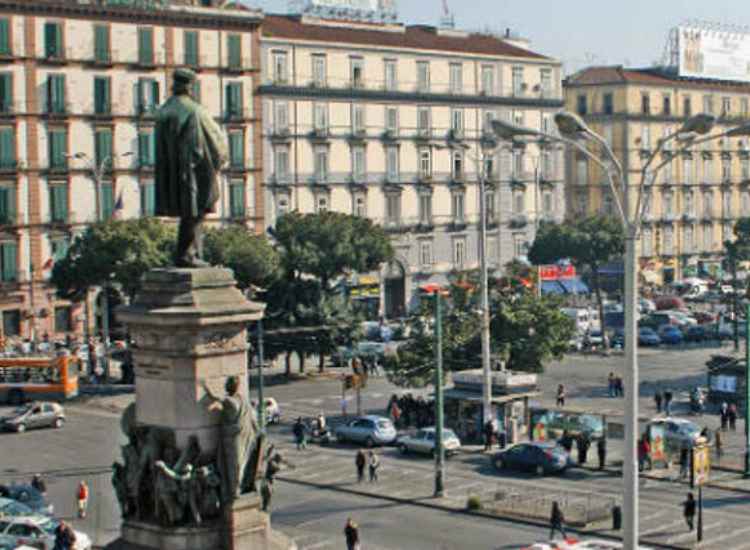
x: 146, y: 149
x: 59, y: 200
x: 56, y: 93
x: 107, y: 200
x: 103, y: 144
x: 6, y: 92
x: 236, y: 149
x: 145, y: 46
x: 234, y: 99
x: 234, y: 45
x: 7, y: 148
x: 7, y: 205
x: 9, y: 257
x: 148, y: 199
x: 191, y: 48
x: 58, y: 149
x: 101, y: 95
x: 52, y: 40
x: 4, y: 36
x: 237, y: 200
x: 101, y: 43
x: 155, y: 94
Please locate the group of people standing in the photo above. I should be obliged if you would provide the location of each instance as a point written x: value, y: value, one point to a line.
x: 407, y: 411
x: 369, y: 460
x: 615, y: 387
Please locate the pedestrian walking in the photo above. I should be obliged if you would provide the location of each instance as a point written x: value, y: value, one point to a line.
x: 566, y: 441
x: 724, y: 415
x: 65, y: 537
x: 299, y: 434
x: 668, y: 402
x: 360, y: 461
x: 489, y: 432
x: 684, y: 461
x: 556, y: 521
x: 732, y: 414
x: 351, y: 532
x: 343, y: 407
x: 38, y: 483
x: 583, y: 444
x: 82, y: 495
x: 611, y: 384
x: 620, y: 388
x: 688, y: 510
x: 560, y: 395
x: 374, y: 463
x: 718, y: 443
x: 658, y: 399
x: 601, y: 450
x: 644, y: 453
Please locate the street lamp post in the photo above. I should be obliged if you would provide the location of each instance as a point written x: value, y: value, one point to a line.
x: 573, y: 129
x: 439, y: 421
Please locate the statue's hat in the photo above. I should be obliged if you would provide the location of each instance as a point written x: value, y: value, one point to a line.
x: 185, y: 76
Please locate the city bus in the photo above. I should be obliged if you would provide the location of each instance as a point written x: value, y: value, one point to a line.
x: 38, y: 377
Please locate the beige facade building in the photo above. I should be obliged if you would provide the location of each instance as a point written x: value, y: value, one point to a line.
x: 699, y: 194
x: 389, y: 121
x: 79, y: 83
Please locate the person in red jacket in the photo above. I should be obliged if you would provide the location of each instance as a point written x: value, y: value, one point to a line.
x: 82, y: 495
x: 644, y: 453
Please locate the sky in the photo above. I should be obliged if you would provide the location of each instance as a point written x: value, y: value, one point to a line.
x: 579, y: 32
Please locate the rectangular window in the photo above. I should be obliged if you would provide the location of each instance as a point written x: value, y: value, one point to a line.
x: 281, y: 117
x: 358, y: 163
x: 726, y: 199
x: 148, y: 95
x: 456, y: 78
x: 548, y: 207
x: 490, y: 207
x: 745, y: 167
x: 8, y: 147
x: 191, y: 48
x: 582, y: 171
x: 53, y: 46
x: 321, y: 203
x: 8, y: 269
x: 687, y: 107
x: 707, y: 170
x: 647, y: 241
x: 668, y: 204
x: 609, y: 104
x: 280, y: 68
x: 392, y: 163
x: 645, y: 137
x: 425, y: 208
x: 148, y: 198
x: 517, y: 81
x: 582, y: 105
x: 726, y: 106
x: 320, y: 117
x: 645, y: 104
x: 319, y: 70
x: 545, y: 78
x: 458, y: 207
x: 459, y: 253
x: 357, y: 72
x: 282, y: 205
x: 391, y: 76
x: 519, y: 202
x: 8, y: 205
x: 102, y: 94
x: 488, y: 80
x: 425, y: 163
x: 360, y: 206
x: 393, y: 208
x: 423, y: 76
x: 237, y: 199
x: 58, y: 149
x: 102, y: 53
x: 146, y: 149
x: 234, y: 52
x: 103, y: 148
x: 457, y: 166
x: 56, y: 94
x: 726, y: 170
x: 708, y: 205
x: 58, y: 198
x: 146, y: 46
x: 391, y: 120
x: 668, y: 240
x: 425, y: 253
x: 687, y: 169
x: 63, y: 319
x: 59, y: 247
x: 108, y: 200
x: 281, y: 163
x: 6, y: 92
x: 358, y: 119
x: 744, y: 107
x: 423, y: 121
x: 234, y: 100
x: 5, y: 36
x: 666, y: 105
x: 457, y: 123
x: 708, y: 104
x: 745, y: 203
x: 12, y: 322
x: 689, y: 203
x: 321, y: 165
x: 237, y: 149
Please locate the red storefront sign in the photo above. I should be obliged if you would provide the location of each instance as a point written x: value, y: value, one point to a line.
x: 555, y: 272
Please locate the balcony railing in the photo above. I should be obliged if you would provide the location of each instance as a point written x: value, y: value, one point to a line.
x: 8, y: 218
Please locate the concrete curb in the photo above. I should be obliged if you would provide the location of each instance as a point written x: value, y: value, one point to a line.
x: 422, y: 502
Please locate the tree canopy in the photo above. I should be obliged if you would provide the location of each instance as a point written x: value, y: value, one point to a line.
x: 252, y: 258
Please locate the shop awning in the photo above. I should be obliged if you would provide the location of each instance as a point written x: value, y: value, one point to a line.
x: 552, y: 287
x: 465, y: 395
x: 574, y: 286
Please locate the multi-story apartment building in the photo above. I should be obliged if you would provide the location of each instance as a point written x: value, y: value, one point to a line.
x: 700, y: 193
x: 79, y: 84
x: 389, y: 122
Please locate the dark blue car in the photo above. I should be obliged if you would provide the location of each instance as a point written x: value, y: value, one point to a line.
x: 670, y: 334
x: 538, y: 457
x: 648, y: 337
x: 28, y: 495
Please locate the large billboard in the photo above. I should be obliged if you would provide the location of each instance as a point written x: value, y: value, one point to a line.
x: 717, y: 54
x: 367, y: 5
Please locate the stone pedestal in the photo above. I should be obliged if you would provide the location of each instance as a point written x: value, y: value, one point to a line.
x: 189, y: 326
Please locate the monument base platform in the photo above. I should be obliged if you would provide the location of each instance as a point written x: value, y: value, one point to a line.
x: 245, y: 527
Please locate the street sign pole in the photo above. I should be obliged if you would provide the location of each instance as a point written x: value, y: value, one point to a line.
x: 700, y: 513
x: 747, y: 391
x: 261, y: 400
x: 439, y: 451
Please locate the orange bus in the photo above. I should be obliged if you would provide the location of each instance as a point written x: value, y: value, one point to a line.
x: 38, y: 377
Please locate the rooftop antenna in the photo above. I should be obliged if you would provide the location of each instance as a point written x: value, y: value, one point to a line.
x: 447, y: 21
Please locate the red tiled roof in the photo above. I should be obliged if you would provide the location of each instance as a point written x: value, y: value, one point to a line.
x: 616, y: 74
x: 417, y: 37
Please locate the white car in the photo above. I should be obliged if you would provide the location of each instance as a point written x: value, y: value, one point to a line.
x: 574, y: 544
x: 423, y: 442
x: 31, y: 530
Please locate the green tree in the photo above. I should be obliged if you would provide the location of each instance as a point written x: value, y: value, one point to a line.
x: 588, y: 242
x: 114, y: 251
x: 252, y: 258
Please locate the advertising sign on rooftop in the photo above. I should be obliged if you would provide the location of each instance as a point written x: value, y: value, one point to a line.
x: 353, y: 8
x: 714, y: 53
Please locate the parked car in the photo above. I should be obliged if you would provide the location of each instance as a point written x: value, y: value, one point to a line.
x: 29, y: 496
x: 697, y: 333
x: 371, y: 430
x: 423, y: 442
x: 13, y: 508
x: 33, y: 530
x: 648, y: 337
x: 618, y: 338
x: 539, y: 457
x: 558, y: 422
x: 678, y: 432
x: 39, y: 414
x: 670, y: 335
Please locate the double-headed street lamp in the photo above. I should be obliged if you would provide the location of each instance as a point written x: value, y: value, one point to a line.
x: 573, y: 130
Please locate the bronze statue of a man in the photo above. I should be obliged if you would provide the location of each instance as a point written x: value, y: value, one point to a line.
x: 191, y: 149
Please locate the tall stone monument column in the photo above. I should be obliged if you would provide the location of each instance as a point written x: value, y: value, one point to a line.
x: 188, y: 478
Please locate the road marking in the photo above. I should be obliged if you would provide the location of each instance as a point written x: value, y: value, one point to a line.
x: 730, y: 535
x: 691, y: 534
x: 661, y: 528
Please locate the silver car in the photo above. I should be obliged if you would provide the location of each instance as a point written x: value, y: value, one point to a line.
x: 36, y: 530
x: 423, y: 442
x: 371, y: 430
x: 678, y: 432
x: 39, y: 414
